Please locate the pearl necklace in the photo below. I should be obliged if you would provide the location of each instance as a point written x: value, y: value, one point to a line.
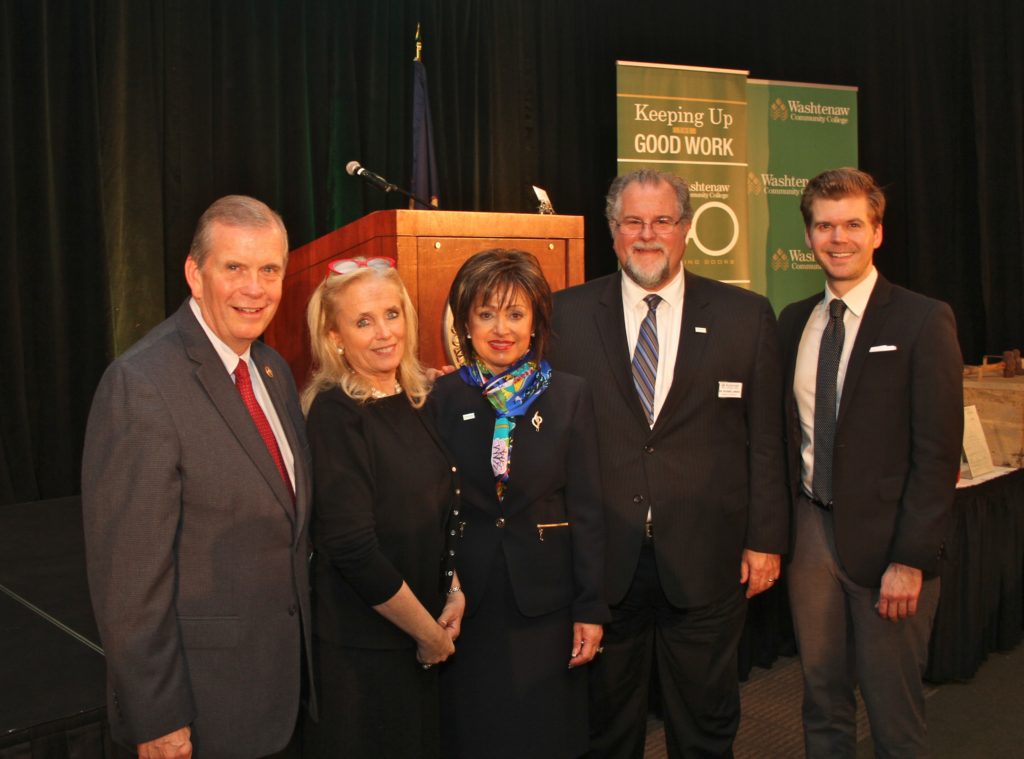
x: 375, y: 393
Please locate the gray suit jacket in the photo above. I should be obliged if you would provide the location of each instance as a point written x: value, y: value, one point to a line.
x: 197, y: 558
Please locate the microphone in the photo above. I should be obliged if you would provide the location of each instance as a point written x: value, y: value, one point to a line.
x: 355, y: 169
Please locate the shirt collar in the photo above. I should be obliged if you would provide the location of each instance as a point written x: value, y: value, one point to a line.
x: 856, y: 299
x: 228, y: 356
x: 633, y: 295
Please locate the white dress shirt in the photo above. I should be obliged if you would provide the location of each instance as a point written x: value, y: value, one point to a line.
x: 669, y: 313
x: 806, y: 373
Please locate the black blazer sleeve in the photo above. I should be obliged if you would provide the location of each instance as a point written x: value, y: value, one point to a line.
x: 585, y: 511
x: 344, y: 473
x: 768, y: 517
x: 936, y: 413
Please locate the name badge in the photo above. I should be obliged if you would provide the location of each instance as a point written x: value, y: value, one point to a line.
x: 467, y: 417
x: 730, y: 389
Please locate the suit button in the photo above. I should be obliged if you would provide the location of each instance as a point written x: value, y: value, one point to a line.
x: 648, y: 449
x: 499, y: 522
x: 291, y: 610
x: 638, y: 499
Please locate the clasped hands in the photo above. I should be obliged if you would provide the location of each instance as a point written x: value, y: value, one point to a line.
x: 440, y: 644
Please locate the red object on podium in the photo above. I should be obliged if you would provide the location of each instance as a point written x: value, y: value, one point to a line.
x: 428, y: 247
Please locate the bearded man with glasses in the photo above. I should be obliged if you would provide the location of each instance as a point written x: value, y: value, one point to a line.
x: 688, y: 391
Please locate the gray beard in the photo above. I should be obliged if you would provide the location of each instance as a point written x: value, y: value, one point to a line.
x: 647, y: 280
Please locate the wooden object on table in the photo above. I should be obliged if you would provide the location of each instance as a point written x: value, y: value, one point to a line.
x: 1011, y: 363
x: 429, y: 247
x: 991, y: 365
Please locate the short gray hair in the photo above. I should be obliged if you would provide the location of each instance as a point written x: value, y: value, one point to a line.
x: 233, y: 211
x: 613, y: 202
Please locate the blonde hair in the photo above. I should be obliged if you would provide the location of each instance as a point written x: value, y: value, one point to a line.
x: 331, y: 368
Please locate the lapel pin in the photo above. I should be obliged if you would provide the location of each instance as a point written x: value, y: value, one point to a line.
x: 536, y: 421
x: 702, y: 330
x: 268, y: 371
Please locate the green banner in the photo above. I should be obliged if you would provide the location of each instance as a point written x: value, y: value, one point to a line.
x: 693, y: 122
x: 795, y: 132
x: 747, y: 147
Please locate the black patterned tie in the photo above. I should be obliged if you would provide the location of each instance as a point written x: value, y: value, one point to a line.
x: 825, y: 400
x: 645, y: 357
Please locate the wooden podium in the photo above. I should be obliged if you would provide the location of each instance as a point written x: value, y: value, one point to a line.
x: 429, y: 247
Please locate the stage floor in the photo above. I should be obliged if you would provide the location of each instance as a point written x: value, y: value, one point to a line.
x: 51, y: 665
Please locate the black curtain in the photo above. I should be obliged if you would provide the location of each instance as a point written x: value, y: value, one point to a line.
x: 121, y: 120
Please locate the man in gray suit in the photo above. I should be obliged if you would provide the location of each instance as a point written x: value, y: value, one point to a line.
x: 195, y: 497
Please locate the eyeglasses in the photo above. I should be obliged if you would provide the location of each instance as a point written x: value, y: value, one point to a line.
x: 349, y: 265
x: 632, y: 226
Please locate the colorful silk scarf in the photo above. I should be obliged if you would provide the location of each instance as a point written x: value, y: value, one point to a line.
x: 510, y: 394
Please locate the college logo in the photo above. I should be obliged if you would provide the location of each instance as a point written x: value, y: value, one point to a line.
x: 816, y: 112
x: 780, y: 261
x: 754, y: 186
x: 779, y: 110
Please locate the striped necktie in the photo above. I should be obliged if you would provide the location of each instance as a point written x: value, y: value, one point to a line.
x: 645, y: 357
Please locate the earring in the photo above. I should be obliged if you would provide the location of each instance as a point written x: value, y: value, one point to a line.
x: 468, y: 336
x: 341, y: 351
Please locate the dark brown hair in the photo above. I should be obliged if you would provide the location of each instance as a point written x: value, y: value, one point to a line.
x: 503, y: 273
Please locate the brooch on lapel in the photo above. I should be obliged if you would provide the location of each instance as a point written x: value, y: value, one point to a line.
x: 536, y: 421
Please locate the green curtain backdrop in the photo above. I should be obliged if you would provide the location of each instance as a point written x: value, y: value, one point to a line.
x: 121, y: 120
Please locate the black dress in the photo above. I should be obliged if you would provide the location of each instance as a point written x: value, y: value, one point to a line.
x: 384, y: 492
x: 530, y: 565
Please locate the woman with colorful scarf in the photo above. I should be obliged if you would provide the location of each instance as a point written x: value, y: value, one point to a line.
x: 531, y: 529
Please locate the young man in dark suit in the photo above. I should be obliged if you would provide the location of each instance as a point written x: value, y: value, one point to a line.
x: 875, y: 410
x: 687, y: 385
x: 195, y: 497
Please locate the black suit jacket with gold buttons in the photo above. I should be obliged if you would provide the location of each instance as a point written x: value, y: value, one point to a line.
x: 549, y: 529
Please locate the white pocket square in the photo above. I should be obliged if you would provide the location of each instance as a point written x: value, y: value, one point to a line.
x: 881, y: 348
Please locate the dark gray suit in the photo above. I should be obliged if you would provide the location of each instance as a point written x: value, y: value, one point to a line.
x: 197, y: 557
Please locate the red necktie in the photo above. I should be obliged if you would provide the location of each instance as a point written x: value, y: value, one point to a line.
x: 244, y: 384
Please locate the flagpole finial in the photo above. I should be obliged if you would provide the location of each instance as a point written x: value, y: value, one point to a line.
x: 419, y: 43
